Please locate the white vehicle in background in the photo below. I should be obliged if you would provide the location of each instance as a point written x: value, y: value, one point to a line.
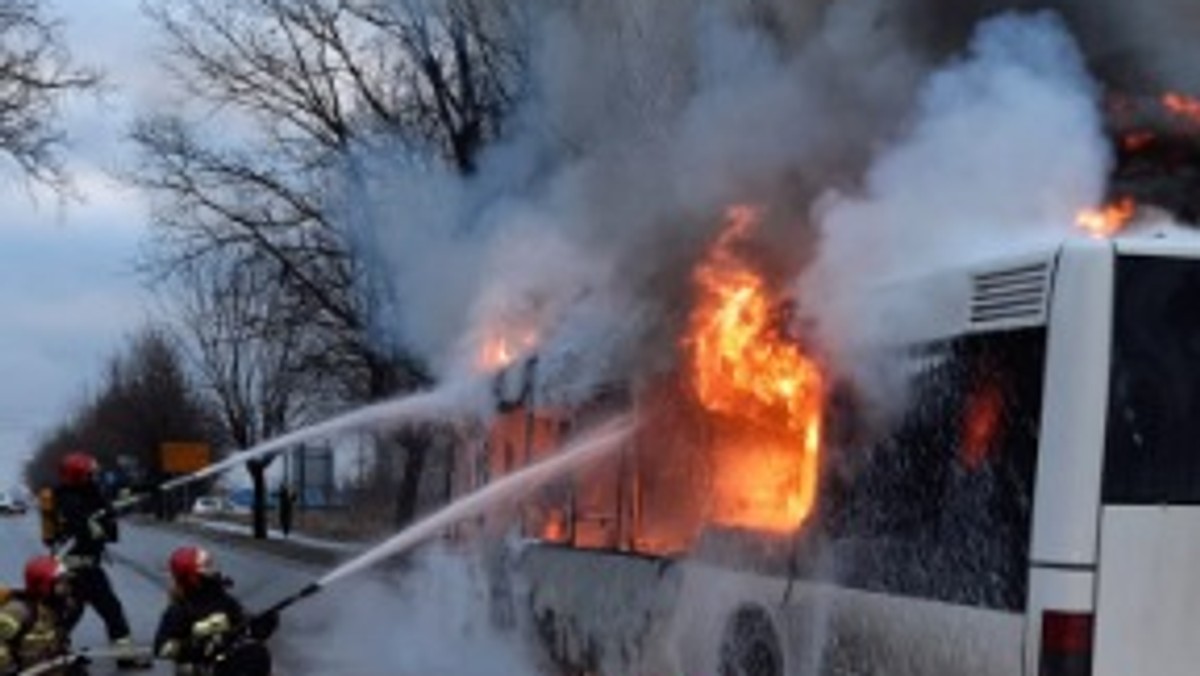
x: 209, y: 505
x: 1036, y: 509
x: 12, y: 504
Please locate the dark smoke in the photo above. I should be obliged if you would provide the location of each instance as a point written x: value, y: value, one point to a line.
x: 1140, y: 48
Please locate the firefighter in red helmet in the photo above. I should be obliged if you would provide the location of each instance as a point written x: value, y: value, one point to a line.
x: 204, y: 629
x: 84, y: 524
x: 77, y: 468
x: 36, y: 622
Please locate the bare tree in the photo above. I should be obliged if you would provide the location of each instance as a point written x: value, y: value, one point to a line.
x: 230, y: 209
x: 298, y: 87
x: 463, y: 67
x: 316, y: 75
x: 249, y: 366
x: 35, y: 73
x: 145, y: 398
x: 284, y: 71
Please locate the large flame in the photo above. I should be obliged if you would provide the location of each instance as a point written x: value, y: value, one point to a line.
x: 765, y: 388
x: 1107, y: 220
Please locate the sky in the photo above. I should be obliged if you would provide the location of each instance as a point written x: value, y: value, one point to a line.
x: 69, y: 292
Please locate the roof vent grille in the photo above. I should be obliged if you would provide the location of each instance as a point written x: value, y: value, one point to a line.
x: 1007, y: 296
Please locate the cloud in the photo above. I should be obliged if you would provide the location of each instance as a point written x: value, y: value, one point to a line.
x: 68, y: 296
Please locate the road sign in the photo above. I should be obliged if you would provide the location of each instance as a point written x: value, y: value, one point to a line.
x: 184, y: 457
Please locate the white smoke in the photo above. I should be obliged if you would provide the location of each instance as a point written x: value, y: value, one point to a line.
x: 1006, y: 146
x: 407, y: 218
x: 433, y: 619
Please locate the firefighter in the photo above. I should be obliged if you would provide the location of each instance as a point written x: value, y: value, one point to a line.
x: 83, y: 524
x: 205, y: 630
x: 36, y: 622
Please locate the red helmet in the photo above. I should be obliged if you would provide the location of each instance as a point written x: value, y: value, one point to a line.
x: 42, y: 573
x: 191, y: 565
x: 78, y: 468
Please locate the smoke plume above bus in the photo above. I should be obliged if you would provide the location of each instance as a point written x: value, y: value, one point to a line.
x: 862, y: 134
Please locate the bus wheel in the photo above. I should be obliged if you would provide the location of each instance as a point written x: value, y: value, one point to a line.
x: 750, y: 646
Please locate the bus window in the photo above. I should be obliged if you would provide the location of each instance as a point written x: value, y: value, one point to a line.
x: 941, y: 507
x: 1153, y: 437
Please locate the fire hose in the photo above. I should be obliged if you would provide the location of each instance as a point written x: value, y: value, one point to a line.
x: 588, y: 449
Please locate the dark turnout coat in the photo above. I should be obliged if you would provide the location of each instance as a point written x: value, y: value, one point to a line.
x: 209, y: 630
x: 86, y: 518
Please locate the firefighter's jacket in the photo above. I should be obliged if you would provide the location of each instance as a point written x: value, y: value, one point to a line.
x: 85, y: 518
x: 31, y: 631
x: 197, y: 627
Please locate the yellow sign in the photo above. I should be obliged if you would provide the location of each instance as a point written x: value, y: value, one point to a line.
x: 184, y: 457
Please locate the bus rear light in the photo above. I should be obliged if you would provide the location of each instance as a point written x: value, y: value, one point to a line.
x: 1066, y: 644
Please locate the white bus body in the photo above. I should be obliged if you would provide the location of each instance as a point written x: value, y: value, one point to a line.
x: 1057, y: 535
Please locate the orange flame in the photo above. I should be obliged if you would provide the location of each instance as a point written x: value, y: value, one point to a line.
x: 746, y: 370
x: 1183, y: 106
x: 1107, y: 220
x: 981, y: 426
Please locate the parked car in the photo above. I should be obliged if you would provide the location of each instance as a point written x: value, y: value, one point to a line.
x: 11, y: 504
x: 210, y: 504
x: 242, y: 500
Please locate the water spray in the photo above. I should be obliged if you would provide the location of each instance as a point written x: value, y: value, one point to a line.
x: 584, y: 451
x: 454, y: 397
x: 386, y: 414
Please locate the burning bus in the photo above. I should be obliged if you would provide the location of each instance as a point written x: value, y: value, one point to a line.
x: 1030, y: 510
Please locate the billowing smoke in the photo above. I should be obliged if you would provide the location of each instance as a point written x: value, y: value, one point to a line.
x: 1006, y: 146
x: 646, y: 120
x: 1141, y: 48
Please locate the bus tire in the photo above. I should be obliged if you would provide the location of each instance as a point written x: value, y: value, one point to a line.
x: 750, y: 646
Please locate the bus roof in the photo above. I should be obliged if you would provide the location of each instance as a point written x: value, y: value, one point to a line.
x: 1006, y: 289
x: 1159, y: 239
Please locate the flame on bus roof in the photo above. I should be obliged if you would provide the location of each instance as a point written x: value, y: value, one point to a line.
x: 1107, y: 220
